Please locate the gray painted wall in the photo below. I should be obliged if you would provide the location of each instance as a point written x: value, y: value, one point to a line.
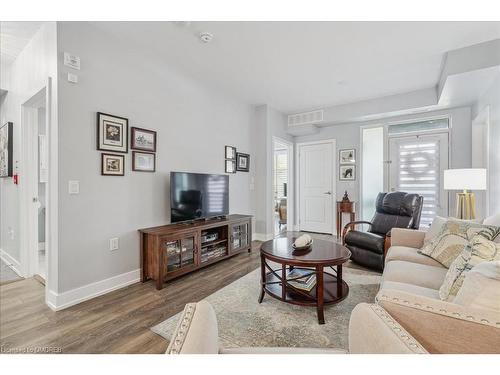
x: 348, y: 136
x: 193, y: 122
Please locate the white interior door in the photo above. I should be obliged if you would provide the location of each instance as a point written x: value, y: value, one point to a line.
x: 416, y: 166
x: 316, y: 187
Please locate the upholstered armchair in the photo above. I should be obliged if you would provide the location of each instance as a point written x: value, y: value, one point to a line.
x: 393, y: 210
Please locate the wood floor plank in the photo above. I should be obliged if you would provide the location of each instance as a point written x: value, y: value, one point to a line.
x: 117, y: 322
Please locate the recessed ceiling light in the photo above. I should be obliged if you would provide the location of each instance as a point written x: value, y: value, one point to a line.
x: 341, y: 82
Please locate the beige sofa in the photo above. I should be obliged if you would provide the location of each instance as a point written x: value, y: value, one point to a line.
x: 408, y: 316
x: 409, y: 292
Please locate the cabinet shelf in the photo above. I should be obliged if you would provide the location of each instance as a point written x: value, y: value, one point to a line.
x: 211, y: 243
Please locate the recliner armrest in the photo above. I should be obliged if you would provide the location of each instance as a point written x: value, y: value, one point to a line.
x: 407, y: 237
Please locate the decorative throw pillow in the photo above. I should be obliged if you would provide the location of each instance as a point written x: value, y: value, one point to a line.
x: 454, y: 236
x: 477, y: 251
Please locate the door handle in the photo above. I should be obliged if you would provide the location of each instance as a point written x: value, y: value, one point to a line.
x: 328, y: 192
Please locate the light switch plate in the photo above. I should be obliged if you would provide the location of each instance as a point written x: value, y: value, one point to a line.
x: 72, y: 61
x: 73, y: 78
x: 113, y: 244
x: 74, y: 187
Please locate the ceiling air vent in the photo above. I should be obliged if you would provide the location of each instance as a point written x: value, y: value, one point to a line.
x: 305, y: 118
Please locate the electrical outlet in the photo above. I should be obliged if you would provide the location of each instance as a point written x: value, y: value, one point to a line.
x: 113, y: 244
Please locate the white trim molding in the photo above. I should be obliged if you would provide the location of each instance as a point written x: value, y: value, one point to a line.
x: 11, y: 262
x: 74, y: 296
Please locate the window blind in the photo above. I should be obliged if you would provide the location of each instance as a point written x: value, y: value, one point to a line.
x: 418, y: 167
x: 281, y: 174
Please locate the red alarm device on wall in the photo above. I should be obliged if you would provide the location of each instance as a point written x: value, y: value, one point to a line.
x: 16, y: 179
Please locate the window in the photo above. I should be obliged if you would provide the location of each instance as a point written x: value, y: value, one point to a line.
x: 281, y: 173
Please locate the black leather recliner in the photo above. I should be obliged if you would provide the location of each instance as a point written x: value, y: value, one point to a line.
x: 393, y: 210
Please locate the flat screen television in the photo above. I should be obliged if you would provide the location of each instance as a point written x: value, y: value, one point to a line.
x: 198, y: 196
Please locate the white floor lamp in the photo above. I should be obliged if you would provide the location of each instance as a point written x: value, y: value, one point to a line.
x: 465, y: 179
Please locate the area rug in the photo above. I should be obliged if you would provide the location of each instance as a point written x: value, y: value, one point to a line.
x: 244, y: 322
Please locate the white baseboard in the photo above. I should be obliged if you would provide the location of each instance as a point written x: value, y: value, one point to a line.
x: 74, y: 296
x: 11, y: 262
x: 262, y: 236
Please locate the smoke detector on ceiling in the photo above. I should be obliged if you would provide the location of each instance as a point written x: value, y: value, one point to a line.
x: 206, y: 37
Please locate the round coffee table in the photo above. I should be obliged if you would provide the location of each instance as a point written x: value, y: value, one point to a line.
x: 329, y: 288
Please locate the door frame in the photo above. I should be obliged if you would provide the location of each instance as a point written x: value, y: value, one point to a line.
x: 481, y: 128
x: 298, y: 145
x: 28, y: 230
x: 291, y: 182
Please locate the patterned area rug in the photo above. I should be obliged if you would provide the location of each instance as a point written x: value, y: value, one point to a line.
x: 244, y: 322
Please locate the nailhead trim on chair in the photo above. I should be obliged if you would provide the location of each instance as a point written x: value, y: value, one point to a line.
x: 453, y: 314
x: 182, y: 329
x: 405, y: 337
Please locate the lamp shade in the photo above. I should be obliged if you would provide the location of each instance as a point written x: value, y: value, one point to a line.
x: 465, y: 179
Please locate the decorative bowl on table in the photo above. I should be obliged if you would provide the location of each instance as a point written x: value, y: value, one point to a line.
x: 302, y: 243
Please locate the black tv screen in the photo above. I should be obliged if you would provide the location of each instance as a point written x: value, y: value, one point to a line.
x: 198, y: 196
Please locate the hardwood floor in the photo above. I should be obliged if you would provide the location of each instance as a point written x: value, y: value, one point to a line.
x: 117, y: 322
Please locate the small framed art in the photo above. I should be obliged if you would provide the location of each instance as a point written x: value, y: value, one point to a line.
x: 143, y: 139
x: 242, y: 162
x: 347, y: 173
x: 112, y: 165
x: 230, y: 153
x: 230, y: 166
x: 6, y: 150
x: 143, y: 161
x: 112, y: 133
x: 347, y: 156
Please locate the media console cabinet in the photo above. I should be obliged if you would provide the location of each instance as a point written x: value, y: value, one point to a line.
x: 170, y: 251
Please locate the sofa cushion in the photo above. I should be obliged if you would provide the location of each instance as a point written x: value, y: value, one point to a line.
x: 409, y: 254
x: 493, y: 220
x: 365, y: 240
x: 452, y: 239
x: 481, y: 287
x: 410, y: 288
x: 477, y: 251
x: 414, y: 273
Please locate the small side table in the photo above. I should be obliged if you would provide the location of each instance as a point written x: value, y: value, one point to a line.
x: 344, y: 207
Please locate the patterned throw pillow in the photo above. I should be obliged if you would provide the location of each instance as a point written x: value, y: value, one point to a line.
x: 477, y: 251
x: 453, y: 237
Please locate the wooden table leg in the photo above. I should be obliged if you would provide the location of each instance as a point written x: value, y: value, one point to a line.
x: 159, y: 280
x: 262, y: 277
x: 283, y: 282
x: 339, y: 223
x: 320, y: 294
x: 353, y: 216
x: 339, y: 281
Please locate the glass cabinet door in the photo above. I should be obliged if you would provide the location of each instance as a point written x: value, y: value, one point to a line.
x: 239, y: 236
x: 179, y: 252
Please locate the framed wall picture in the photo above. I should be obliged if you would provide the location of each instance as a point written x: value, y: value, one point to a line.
x: 6, y: 149
x: 112, y: 133
x: 347, y: 156
x: 143, y: 161
x: 143, y: 139
x: 230, y: 153
x: 112, y: 165
x: 242, y: 162
x: 347, y: 173
x: 230, y: 166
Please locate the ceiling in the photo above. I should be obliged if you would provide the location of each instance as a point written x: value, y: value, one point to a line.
x: 296, y: 66
x: 13, y: 38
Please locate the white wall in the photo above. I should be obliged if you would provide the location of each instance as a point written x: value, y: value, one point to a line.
x: 267, y: 123
x: 491, y: 99
x: 23, y: 78
x: 194, y: 124
x: 348, y: 136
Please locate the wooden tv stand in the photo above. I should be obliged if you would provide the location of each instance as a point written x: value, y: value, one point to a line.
x: 170, y: 251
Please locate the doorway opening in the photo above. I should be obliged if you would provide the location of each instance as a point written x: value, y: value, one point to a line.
x: 34, y: 186
x: 282, y: 155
